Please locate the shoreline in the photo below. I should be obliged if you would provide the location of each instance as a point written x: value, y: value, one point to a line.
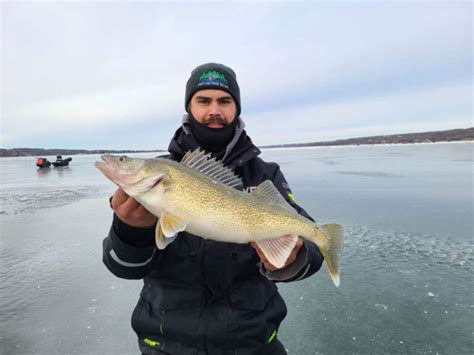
x: 447, y: 136
x: 368, y: 145
x: 270, y: 148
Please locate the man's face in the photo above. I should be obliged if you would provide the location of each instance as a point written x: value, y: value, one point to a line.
x: 214, y: 108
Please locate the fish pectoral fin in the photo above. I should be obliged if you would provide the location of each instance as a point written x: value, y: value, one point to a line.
x: 267, y: 191
x: 161, y: 241
x: 171, y: 225
x: 278, y: 250
x: 146, y: 184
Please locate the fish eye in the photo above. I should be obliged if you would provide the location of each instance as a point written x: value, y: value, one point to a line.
x: 122, y: 158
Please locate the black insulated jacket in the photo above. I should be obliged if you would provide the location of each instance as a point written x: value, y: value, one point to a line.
x: 201, y: 296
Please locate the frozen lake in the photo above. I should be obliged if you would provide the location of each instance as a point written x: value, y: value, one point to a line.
x: 407, y: 282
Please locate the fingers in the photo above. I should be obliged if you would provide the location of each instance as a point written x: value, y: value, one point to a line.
x: 124, y: 202
x: 258, y: 250
x: 146, y: 216
x: 268, y: 266
x: 294, y: 252
x: 130, y: 204
x: 119, y: 198
x: 129, y: 211
x: 290, y: 260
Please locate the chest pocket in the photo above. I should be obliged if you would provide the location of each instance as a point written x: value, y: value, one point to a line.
x: 173, y: 295
x: 253, y: 303
x: 175, y: 310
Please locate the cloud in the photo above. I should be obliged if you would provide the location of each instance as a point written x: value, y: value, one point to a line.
x: 422, y: 110
x: 93, y: 65
x: 113, y: 107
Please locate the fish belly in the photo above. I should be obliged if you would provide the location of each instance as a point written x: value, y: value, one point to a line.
x: 222, y: 233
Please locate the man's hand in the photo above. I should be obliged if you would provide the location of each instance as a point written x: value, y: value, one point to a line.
x: 290, y: 259
x: 129, y: 211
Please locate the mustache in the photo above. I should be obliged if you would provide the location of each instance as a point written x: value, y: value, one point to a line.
x: 215, y: 119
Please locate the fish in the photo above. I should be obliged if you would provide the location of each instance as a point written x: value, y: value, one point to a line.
x: 203, y: 197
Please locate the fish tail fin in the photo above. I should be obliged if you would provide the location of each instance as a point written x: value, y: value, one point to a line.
x: 332, y: 248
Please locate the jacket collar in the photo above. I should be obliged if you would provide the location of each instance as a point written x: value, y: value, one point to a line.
x: 238, y: 151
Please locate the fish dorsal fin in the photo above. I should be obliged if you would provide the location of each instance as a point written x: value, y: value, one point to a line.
x: 278, y: 250
x: 201, y: 161
x: 270, y: 193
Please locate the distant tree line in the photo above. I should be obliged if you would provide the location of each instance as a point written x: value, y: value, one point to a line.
x: 452, y: 135
x: 25, y: 152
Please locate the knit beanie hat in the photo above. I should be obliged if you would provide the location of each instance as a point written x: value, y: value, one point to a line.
x: 213, y: 76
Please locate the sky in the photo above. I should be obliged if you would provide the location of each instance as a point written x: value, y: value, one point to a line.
x: 112, y: 74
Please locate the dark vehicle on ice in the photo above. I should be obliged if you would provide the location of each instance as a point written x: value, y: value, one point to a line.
x: 61, y: 162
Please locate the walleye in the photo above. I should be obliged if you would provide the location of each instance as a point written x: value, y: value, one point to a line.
x: 201, y: 196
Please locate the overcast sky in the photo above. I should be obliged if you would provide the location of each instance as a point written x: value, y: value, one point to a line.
x: 111, y: 74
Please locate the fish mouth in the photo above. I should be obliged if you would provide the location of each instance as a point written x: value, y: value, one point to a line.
x: 107, y: 164
x: 115, y: 168
x: 108, y: 159
x: 128, y: 174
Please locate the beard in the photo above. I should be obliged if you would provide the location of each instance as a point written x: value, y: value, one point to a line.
x: 213, y: 139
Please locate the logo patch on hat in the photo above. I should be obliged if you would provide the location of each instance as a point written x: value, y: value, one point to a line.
x: 213, y: 78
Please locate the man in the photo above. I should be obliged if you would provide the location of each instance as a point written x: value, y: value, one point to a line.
x: 201, y: 296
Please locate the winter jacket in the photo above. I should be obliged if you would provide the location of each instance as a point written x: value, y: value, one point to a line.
x: 202, y: 296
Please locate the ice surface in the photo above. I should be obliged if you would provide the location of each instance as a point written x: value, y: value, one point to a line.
x: 406, y: 268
